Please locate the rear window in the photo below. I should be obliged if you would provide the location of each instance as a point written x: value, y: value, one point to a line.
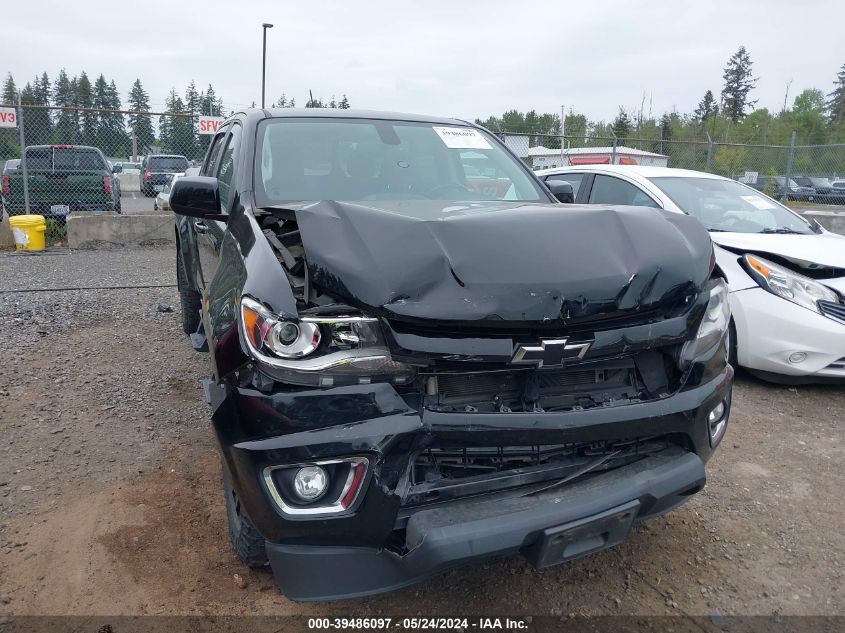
x: 175, y: 164
x: 39, y: 158
x: 64, y: 159
x: 84, y: 160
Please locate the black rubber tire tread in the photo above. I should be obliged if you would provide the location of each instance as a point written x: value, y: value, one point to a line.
x: 188, y: 297
x: 246, y: 540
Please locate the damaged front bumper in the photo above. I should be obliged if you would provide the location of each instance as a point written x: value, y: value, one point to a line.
x: 395, y: 536
x: 549, y: 528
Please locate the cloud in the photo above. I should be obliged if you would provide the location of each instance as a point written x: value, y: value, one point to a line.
x: 468, y: 59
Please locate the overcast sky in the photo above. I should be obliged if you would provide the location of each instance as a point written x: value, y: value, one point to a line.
x: 469, y: 58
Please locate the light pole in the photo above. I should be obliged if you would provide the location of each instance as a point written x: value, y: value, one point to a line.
x: 264, y: 26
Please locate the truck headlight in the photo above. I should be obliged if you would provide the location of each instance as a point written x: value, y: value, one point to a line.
x: 713, y: 326
x: 787, y: 284
x: 319, y: 351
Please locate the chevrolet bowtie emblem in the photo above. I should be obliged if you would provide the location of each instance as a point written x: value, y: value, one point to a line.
x: 549, y: 353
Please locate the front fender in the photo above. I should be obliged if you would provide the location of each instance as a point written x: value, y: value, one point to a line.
x: 186, y: 242
x: 247, y: 266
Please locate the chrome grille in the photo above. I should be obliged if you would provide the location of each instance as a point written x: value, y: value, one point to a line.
x: 833, y: 310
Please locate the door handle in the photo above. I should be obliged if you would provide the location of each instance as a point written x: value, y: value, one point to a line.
x: 200, y: 226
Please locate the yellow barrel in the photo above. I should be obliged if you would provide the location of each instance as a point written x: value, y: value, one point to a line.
x: 28, y: 231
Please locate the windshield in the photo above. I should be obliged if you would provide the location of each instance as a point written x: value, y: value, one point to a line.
x: 360, y: 159
x: 176, y: 164
x: 726, y: 205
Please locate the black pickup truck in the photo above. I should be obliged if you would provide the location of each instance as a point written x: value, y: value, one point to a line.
x: 413, y: 369
x: 62, y: 178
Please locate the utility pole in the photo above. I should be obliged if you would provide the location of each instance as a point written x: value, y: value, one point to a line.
x: 789, y: 165
x: 562, y: 132
x: 786, y: 95
x: 264, y: 26
x: 23, y: 155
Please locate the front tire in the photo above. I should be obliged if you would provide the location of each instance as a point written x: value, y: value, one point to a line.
x: 188, y: 297
x: 246, y: 540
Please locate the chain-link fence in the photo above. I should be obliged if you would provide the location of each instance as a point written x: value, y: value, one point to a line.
x: 84, y: 160
x: 62, y: 160
x: 815, y: 173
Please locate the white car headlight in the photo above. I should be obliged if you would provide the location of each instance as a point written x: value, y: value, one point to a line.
x: 713, y: 326
x: 319, y: 351
x: 789, y: 285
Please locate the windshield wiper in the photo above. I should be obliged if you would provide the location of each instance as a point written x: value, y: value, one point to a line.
x: 781, y: 230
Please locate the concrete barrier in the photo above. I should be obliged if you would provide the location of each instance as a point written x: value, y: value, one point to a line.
x: 833, y: 221
x: 6, y: 239
x: 105, y: 230
x: 129, y: 182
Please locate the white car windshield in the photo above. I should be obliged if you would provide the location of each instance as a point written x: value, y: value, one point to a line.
x: 725, y: 205
x: 364, y: 159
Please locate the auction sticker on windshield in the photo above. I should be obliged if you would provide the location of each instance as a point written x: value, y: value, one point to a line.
x: 758, y: 202
x: 462, y: 138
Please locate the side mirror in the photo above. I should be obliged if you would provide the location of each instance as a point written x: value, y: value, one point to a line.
x: 197, y: 197
x: 561, y: 190
x: 117, y: 169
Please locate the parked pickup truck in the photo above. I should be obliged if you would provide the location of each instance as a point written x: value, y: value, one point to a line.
x: 62, y: 178
x: 414, y: 369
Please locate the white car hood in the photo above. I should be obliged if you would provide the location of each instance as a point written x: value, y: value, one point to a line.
x: 825, y: 249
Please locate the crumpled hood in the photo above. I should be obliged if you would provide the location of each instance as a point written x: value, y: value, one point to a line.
x: 825, y: 249
x: 508, y: 261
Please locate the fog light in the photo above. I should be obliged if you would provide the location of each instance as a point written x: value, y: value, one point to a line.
x: 717, y: 413
x: 797, y: 357
x: 717, y: 423
x: 310, y: 483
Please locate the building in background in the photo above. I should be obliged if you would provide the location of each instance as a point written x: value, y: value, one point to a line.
x: 540, y: 157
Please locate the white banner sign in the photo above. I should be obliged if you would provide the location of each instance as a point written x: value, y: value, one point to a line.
x: 8, y: 117
x: 210, y: 124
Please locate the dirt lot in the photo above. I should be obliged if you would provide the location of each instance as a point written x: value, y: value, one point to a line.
x: 110, y: 501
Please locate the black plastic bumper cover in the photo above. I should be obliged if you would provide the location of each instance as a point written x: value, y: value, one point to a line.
x: 442, y: 538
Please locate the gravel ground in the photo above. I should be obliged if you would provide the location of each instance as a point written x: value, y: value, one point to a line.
x: 110, y: 500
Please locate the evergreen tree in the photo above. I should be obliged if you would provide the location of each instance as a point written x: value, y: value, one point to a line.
x: 312, y: 102
x: 707, y: 108
x: 116, y: 121
x: 333, y: 102
x: 835, y: 104
x: 622, y: 125
x: 344, y: 103
x: 67, y: 120
x: 666, y: 127
x: 210, y: 104
x: 111, y: 133
x: 140, y: 124
x: 194, y: 107
x: 9, y: 143
x: 10, y: 91
x: 87, y: 119
x: 175, y: 132
x: 37, y: 121
x: 739, y: 81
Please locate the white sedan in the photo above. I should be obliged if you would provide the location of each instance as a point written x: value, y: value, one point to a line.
x: 786, y: 276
